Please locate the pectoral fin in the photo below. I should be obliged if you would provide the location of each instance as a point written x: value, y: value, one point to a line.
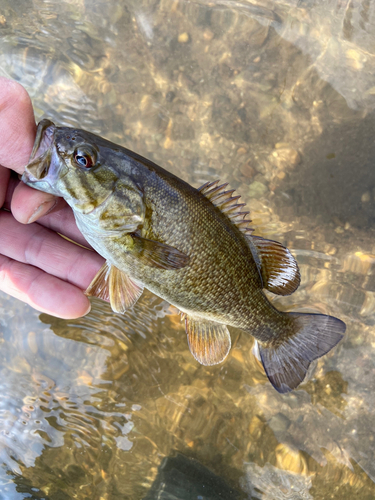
x: 277, y: 266
x: 115, y: 286
x: 123, y: 290
x: 155, y: 254
x: 209, y: 342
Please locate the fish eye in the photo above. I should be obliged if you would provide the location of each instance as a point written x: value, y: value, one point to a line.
x: 84, y: 157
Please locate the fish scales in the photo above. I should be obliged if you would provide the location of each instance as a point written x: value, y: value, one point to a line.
x: 192, y: 224
x: 186, y: 245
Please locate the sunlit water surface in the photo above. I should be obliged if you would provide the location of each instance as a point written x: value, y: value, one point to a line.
x: 278, y: 99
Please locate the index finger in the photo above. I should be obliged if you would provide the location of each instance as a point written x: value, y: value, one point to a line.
x: 4, y: 179
x: 17, y: 125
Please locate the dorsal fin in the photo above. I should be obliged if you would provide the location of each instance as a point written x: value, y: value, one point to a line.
x: 277, y: 266
x: 227, y: 204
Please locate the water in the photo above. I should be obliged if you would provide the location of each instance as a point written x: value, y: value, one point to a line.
x: 278, y: 99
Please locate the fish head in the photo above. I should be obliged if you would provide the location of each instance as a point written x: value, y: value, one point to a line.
x: 97, y: 178
x: 72, y: 164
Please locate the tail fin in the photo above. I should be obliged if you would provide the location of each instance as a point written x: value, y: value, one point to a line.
x: 286, y: 364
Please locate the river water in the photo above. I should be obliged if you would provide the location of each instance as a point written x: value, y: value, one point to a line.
x: 278, y: 99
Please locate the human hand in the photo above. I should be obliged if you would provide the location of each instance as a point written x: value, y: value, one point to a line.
x: 37, y: 265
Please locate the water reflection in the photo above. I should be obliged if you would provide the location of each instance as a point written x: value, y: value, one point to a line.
x: 276, y: 99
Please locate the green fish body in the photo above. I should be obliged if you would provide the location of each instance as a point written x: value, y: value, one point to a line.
x: 189, y: 246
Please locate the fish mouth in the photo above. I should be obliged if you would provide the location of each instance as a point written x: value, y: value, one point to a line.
x: 40, y: 158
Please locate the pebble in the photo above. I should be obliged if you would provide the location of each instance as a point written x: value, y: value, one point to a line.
x: 355, y: 59
x: 247, y: 170
x: 208, y: 35
x: 290, y: 459
x: 241, y: 151
x: 359, y: 263
x: 257, y: 189
x: 283, y: 157
x: 279, y: 423
x: 167, y: 143
x: 366, y: 197
x: 183, y: 38
x: 331, y: 250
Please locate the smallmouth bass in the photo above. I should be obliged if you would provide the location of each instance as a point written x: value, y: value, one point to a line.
x: 189, y: 246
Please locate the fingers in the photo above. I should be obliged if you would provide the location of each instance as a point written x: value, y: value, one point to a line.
x: 28, y: 204
x: 4, y: 179
x: 46, y: 250
x: 36, y: 265
x: 40, y: 290
x: 17, y: 125
x: 23, y: 200
x: 42, y: 269
x: 17, y: 135
x: 63, y: 222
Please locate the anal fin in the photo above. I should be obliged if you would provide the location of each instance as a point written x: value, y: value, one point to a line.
x: 111, y: 284
x: 209, y: 342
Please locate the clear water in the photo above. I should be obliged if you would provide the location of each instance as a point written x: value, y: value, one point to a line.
x: 278, y: 99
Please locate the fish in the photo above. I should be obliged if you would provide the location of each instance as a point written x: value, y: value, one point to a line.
x: 192, y: 247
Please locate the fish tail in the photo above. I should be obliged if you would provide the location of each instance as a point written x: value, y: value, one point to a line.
x: 287, y: 360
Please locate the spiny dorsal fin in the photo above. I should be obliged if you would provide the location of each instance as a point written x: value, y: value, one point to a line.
x: 278, y: 267
x: 227, y: 204
x: 209, y: 342
x: 207, y: 186
x: 115, y: 286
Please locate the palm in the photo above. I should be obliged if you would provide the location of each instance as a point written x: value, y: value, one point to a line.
x: 36, y: 264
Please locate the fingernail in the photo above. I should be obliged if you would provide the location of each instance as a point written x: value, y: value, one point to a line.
x: 43, y: 209
x: 88, y: 310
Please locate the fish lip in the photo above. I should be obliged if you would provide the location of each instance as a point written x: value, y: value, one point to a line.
x: 45, y: 135
x: 40, y: 157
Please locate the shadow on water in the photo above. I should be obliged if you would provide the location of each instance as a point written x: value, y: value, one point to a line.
x: 335, y: 181
x: 178, y: 478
